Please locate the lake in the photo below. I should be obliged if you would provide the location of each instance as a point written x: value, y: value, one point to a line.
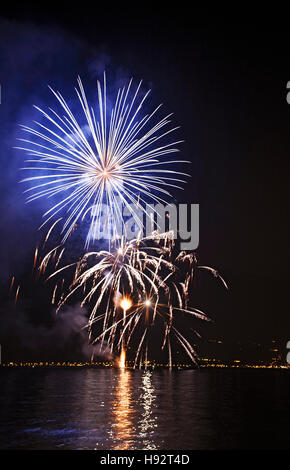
x: 83, y: 408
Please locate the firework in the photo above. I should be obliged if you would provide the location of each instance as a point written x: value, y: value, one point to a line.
x: 115, y: 158
x: 118, y: 158
x: 136, y: 287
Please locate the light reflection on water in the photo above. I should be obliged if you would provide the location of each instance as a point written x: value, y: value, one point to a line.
x: 122, y: 430
x: 147, y: 423
x: 126, y: 409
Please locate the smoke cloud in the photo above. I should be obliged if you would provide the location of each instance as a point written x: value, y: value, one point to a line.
x: 65, y: 339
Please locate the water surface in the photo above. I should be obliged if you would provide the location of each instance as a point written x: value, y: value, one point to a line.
x: 115, y: 409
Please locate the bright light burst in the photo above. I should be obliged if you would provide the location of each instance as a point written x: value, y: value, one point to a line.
x: 114, y: 156
x: 125, y: 304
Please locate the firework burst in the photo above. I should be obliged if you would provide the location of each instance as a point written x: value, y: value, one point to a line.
x: 138, y: 286
x: 115, y: 158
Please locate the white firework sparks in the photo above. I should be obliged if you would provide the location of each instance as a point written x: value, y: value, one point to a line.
x: 137, y: 287
x: 114, y: 156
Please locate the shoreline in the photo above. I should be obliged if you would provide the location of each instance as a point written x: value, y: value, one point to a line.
x: 31, y: 365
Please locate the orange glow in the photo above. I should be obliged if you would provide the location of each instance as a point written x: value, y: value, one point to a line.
x: 11, y: 285
x: 35, y: 257
x: 123, y: 430
x: 125, y: 303
x: 16, y: 295
x: 122, y: 360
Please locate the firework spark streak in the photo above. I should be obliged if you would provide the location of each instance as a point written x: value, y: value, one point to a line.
x: 113, y: 157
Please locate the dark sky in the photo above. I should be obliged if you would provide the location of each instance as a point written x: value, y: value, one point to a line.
x: 225, y: 79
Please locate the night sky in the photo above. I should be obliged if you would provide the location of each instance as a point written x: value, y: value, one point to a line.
x: 225, y: 81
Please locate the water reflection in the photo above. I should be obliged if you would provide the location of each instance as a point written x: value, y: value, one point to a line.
x: 133, y: 423
x: 147, y: 423
x: 125, y: 409
x: 122, y: 431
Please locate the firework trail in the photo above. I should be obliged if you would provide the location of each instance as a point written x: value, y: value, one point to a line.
x: 11, y: 284
x: 17, y: 294
x: 118, y: 158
